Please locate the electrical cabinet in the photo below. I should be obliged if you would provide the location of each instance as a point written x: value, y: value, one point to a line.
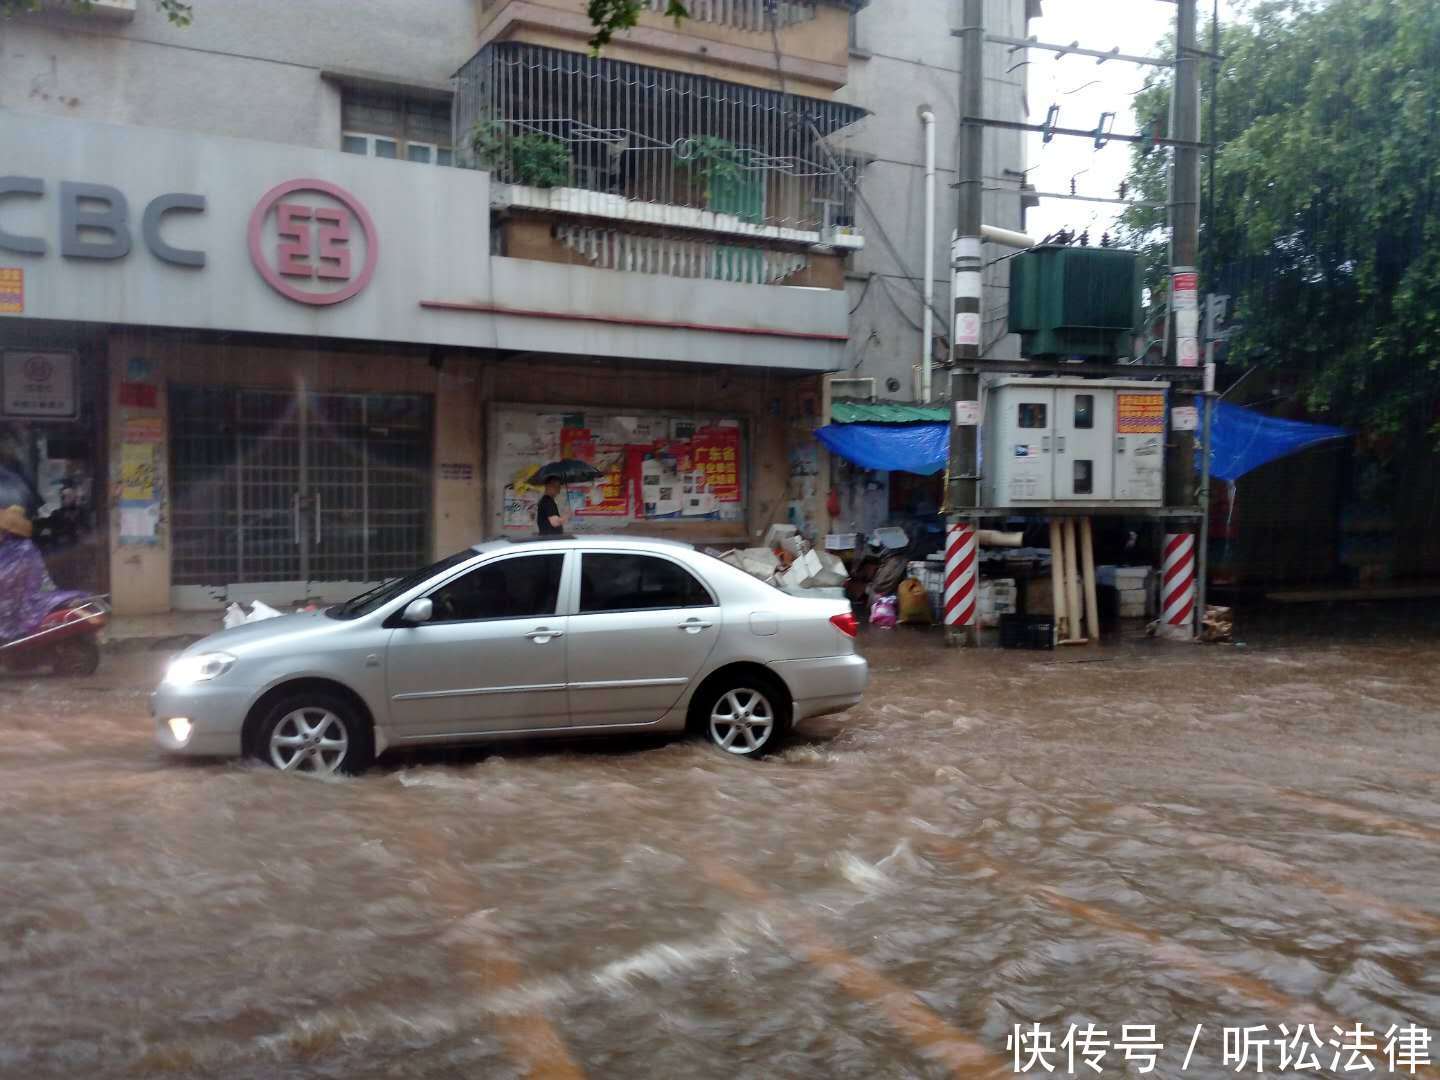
x: 1073, y: 442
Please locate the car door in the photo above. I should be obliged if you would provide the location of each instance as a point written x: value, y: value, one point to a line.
x: 643, y: 627
x: 491, y: 658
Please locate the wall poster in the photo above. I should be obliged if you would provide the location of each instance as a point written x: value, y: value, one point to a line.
x: 653, y: 468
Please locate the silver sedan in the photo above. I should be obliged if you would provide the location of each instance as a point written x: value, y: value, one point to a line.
x: 562, y: 636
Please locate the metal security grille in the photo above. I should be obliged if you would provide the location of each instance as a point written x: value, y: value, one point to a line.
x: 654, y: 136
x: 275, y: 486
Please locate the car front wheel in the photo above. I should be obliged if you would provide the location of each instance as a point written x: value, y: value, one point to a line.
x: 315, y: 734
x: 747, y: 717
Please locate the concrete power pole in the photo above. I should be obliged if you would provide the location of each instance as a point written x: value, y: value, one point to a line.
x: 1184, y: 238
x: 965, y: 335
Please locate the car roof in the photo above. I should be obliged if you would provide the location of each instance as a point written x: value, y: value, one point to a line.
x: 500, y: 543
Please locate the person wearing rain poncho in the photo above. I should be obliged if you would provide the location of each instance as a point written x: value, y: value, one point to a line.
x: 27, y: 593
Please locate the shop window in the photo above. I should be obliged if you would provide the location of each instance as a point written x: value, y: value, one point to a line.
x: 525, y: 587
x: 637, y: 583
x: 1084, y: 477
x: 394, y: 125
x: 1033, y: 415
x: 1084, y: 411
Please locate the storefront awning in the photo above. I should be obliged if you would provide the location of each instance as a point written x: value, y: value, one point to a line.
x: 885, y: 412
x: 912, y: 448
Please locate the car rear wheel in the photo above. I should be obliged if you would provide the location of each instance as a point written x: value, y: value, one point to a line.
x: 746, y: 716
x: 315, y: 734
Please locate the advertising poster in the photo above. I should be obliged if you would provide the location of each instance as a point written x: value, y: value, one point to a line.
x: 652, y: 467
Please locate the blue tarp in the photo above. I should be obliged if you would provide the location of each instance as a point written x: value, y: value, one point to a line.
x: 913, y: 448
x: 1241, y: 440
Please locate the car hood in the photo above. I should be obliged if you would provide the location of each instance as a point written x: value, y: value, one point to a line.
x: 268, y: 633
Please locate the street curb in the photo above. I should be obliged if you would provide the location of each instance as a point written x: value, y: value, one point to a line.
x: 164, y: 643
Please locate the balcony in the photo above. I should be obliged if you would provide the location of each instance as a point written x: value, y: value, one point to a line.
x: 566, y: 133
x: 746, y: 41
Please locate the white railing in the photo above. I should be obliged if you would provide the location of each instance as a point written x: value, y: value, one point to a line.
x: 611, y: 249
x: 745, y: 14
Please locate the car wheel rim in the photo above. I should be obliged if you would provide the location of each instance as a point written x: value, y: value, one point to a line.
x: 742, y: 721
x: 310, y: 740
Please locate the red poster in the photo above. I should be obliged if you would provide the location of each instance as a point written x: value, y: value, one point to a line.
x: 135, y: 395
x: 577, y: 443
x: 717, y: 455
x: 612, y: 489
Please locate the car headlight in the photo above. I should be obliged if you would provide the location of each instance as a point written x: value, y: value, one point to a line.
x: 202, y: 667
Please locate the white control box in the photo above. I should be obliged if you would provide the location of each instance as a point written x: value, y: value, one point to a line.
x: 1068, y: 441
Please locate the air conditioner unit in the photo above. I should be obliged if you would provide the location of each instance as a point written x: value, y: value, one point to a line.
x: 844, y: 388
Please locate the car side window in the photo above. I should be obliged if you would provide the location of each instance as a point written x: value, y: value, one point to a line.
x: 518, y: 588
x: 637, y: 583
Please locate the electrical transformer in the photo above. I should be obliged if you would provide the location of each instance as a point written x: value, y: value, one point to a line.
x: 1073, y: 442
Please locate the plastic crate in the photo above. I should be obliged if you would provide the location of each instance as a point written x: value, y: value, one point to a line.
x: 1027, y: 632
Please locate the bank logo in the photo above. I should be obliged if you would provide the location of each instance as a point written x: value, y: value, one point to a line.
x: 38, y: 369
x: 313, y: 242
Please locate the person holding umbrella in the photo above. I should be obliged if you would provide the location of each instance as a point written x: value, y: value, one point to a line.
x: 549, y: 521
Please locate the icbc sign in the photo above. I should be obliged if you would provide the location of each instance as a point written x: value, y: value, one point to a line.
x: 313, y: 242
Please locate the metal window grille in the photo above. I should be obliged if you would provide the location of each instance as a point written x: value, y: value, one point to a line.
x: 745, y: 14
x: 613, y: 249
x: 656, y: 136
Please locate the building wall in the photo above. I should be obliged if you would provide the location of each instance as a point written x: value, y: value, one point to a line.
x: 906, y: 58
x: 248, y: 69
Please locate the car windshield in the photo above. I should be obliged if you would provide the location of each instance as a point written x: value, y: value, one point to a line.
x: 386, y: 591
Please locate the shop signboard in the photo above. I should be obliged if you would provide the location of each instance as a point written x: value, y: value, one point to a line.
x: 39, y: 385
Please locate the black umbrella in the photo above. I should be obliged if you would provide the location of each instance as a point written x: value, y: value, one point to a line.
x: 567, y: 471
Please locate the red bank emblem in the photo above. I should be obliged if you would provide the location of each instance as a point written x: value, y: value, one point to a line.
x: 313, y: 242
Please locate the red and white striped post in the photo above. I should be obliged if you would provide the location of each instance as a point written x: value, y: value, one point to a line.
x: 962, y: 568
x: 1177, y: 587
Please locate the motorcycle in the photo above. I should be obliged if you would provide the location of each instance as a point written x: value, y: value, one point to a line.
x: 67, y: 641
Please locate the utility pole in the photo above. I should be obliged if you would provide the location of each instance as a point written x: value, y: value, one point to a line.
x: 1180, y: 489
x: 965, y: 263
x: 962, y: 489
x: 1184, y: 239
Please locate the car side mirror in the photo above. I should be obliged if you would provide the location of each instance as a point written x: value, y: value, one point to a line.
x: 419, y: 611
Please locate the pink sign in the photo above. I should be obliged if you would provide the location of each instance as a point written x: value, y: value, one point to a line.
x: 310, y: 241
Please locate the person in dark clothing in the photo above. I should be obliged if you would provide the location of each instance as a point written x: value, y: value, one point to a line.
x: 548, y: 519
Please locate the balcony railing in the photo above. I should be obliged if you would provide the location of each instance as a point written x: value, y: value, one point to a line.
x: 612, y: 249
x: 745, y: 14
x: 547, y: 118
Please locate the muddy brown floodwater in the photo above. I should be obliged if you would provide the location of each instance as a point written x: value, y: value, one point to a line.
x: 1146, y: 835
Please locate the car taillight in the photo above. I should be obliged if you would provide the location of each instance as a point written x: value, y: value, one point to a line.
x: 846, y: 623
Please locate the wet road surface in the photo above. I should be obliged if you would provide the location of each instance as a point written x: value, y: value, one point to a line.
x: 1147, y: 835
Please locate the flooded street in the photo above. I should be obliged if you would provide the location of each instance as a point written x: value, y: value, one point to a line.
x: 1147, y: 835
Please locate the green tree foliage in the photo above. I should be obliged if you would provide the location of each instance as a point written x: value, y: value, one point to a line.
x: 1326, y: 221
x: 177, y: 11
x: 611, y: 16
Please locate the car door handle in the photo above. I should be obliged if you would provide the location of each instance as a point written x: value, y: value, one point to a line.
x: 693, y: 626
x: 544, y: 634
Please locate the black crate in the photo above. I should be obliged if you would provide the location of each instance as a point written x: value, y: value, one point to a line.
x: 1027, y: 632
